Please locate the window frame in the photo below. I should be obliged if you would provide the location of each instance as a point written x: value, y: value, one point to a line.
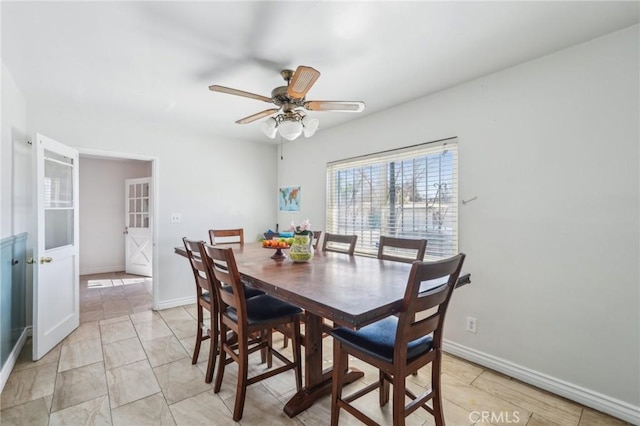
x: 376, y: 216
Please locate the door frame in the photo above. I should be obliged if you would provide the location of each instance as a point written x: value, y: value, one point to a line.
x: 155, y: 187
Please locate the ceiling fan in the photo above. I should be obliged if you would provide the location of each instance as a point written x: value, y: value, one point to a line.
x: 290, y: 117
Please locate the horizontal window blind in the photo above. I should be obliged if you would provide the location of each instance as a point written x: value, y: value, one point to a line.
x: 406, y: 193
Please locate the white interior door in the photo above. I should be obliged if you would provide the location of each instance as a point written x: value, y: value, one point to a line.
x: 56, y: 274
x: 138, y: 228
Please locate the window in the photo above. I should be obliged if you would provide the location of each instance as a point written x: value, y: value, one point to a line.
x: 407, y: 193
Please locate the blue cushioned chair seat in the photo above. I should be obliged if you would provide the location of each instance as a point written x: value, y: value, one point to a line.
x: 378, y: 339
x: 265, y: 308
x: 248, y: 291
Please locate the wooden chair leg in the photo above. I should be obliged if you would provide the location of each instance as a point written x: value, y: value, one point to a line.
x: 398, y: 399
x: 213, y: 349
x: 438, y: 412
x: 196, y: 350
x: 241, y: 387
x: 297, y: 353
x: 384, y: 390
x: 222, y: 361
x: 263, y: 351
x: 269, y: 337
x: 339, y: 370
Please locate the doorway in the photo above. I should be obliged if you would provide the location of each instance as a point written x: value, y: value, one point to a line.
x: 104, y: 213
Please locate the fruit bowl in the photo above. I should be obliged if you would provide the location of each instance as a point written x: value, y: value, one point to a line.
x: 274, y: 244
x: 278, y: 246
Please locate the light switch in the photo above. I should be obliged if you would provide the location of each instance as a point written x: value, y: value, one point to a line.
x: 176, y: 217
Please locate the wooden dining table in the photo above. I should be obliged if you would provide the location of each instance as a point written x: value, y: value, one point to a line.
x: 351, y: 291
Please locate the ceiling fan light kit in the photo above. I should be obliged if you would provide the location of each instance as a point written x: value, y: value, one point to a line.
x: 290, y: 129
x: 290, y: 126
x: 291, y: 120
x: 310, y: 126
x: 269, y: 127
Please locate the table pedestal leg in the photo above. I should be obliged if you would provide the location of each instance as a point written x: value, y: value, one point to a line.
x: 317, y: 383
x: 307, y: 396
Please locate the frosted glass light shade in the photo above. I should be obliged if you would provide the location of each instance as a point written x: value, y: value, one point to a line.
x: 290, y: 129
x: 269, y: 127
x: 310, y: 126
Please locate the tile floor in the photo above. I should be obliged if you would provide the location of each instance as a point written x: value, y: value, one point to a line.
x: 128, y: 365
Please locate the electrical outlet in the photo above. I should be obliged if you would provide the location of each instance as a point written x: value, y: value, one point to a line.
x: 176, y: 217
x: 471, y: 325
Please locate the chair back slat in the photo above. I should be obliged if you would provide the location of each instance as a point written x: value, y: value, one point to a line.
x: 424, y: 326
x: 222, y: 268
x: 434, y: 297
x: 198, y: 267
x: 226, y: 236
x: 339, y: 243
x: 415, y: 302
x: 401, y: 249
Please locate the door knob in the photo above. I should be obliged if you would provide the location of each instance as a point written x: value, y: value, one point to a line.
x: 46, y: 259
x: 30, y: 261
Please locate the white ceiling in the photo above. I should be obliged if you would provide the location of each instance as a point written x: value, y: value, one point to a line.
x: 155, y: 60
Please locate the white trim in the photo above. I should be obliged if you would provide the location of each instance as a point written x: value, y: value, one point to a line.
x: 103, y: 270
x: 13, y: 357
x: 174, y: 303
x: 615, y: 407
x: 155, y: 187
x: 96, y: 153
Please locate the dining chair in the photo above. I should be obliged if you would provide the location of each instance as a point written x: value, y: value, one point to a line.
x: 400, y: 345
x: 271, y: 235
x: 204, y: 300
x: 401, y: 249
x: 339, y: 243
x: 317, y: 235
x: 225, y: 236
x: 232, y: 236
x: 252, y: 320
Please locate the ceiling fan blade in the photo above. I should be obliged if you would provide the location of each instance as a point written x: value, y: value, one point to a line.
x: 302, y: 80
x: 258, y: 116
x: 337, y: 106
x: 229, y: 91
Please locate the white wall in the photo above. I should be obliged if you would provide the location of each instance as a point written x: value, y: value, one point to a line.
x: 550, y: 148
x: 14, y: 159
x: 102, y: 207
x: 213, y: 182
x: 15, y: 171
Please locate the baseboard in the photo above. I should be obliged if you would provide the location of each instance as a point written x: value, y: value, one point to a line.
x: 103, y: 270
x: 166, y: 304
x: 13, y: 357
x: 620, y: 409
